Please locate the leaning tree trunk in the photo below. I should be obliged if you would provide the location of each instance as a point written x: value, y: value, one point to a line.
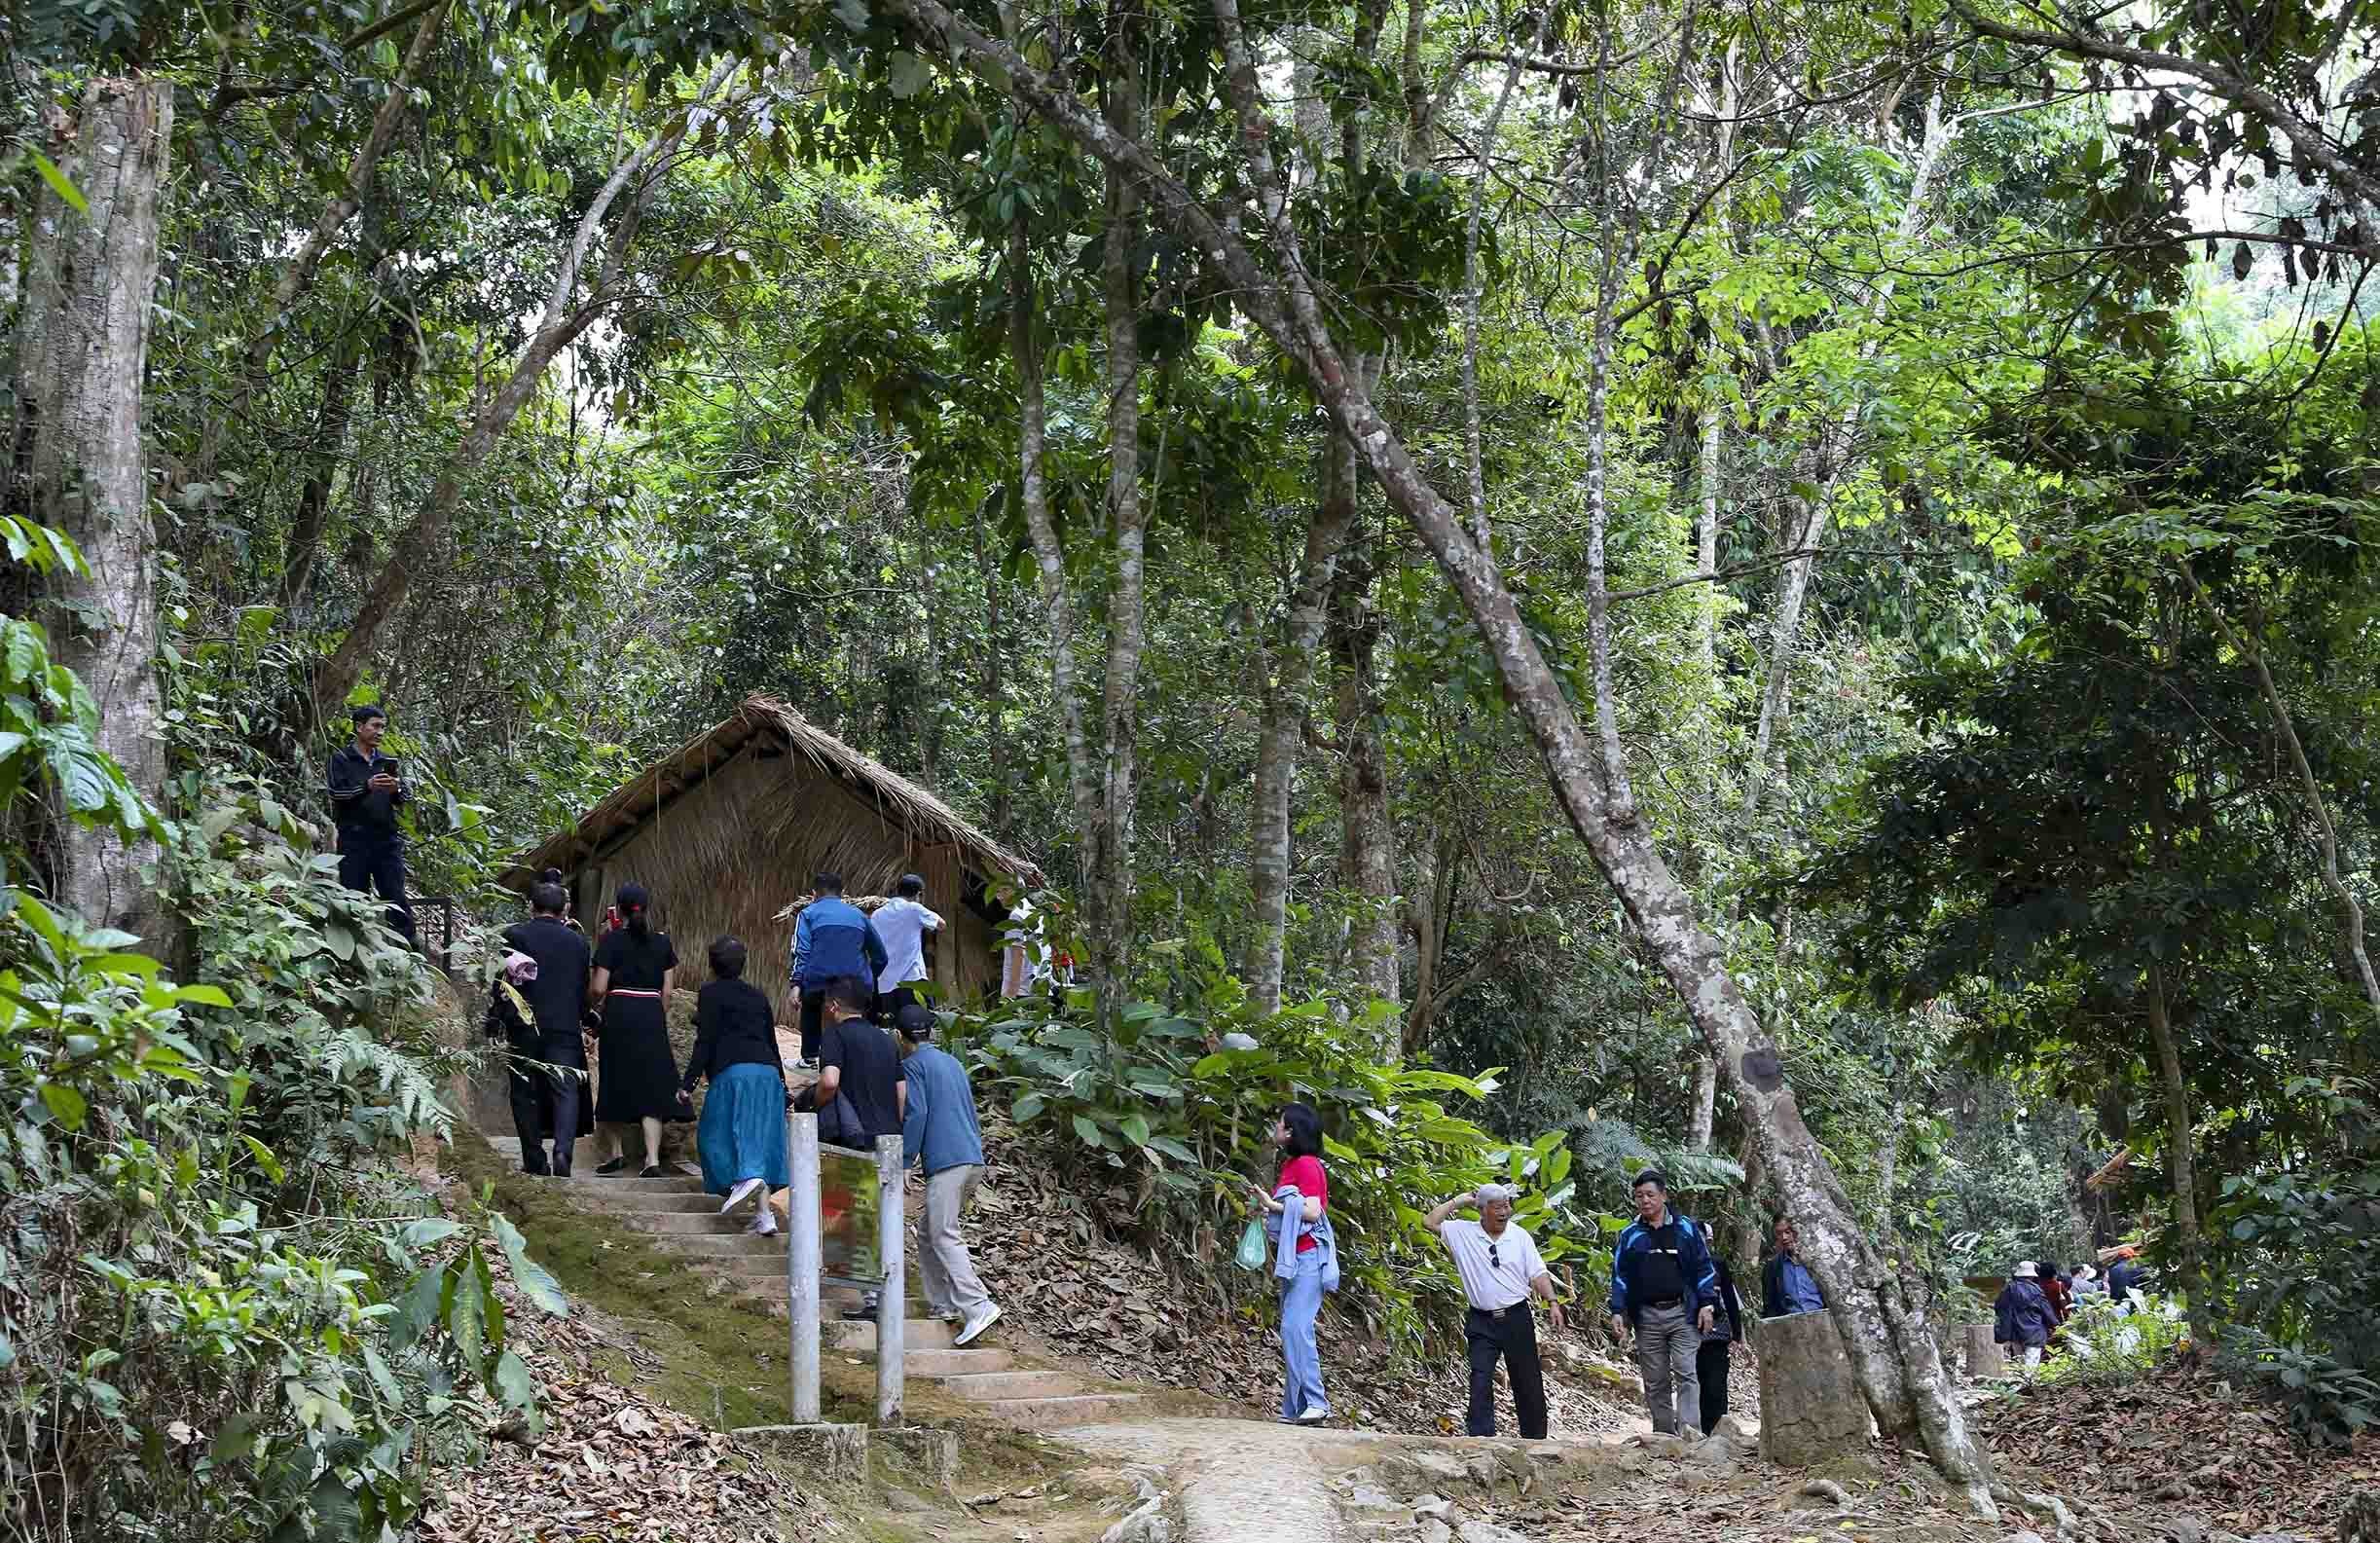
x: 84, y: 356
x: 1881, y: 1314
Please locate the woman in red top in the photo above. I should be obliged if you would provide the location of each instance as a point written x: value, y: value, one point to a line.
x: 1299, y: 1135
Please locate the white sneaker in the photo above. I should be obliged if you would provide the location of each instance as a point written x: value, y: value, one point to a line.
x: 764, y: 1224
x: 1312, y: 1414
x: 977, y: 1325
x: 738, y: 1196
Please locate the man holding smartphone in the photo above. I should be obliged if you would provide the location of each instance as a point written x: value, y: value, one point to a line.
x: 364, y: 791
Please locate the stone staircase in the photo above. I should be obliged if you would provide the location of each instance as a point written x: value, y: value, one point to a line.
x: 681, y: 1221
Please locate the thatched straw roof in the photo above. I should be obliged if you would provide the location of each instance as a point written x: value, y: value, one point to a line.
x: 765, y: 721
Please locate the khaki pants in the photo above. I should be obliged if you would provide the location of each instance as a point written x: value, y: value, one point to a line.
x: 1666, y: 1342
x: 944, y: 1268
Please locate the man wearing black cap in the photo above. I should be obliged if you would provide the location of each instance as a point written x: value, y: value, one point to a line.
x: 365, y: 791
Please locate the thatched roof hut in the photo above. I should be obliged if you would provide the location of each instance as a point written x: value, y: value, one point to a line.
x: 726, y: 830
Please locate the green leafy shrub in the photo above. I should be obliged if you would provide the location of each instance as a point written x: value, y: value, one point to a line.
x: 2104, y: 1344
x: 225, y: 1314
x: 1186, y: 1128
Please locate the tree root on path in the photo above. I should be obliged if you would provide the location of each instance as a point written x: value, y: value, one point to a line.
x: 2044, y: 1505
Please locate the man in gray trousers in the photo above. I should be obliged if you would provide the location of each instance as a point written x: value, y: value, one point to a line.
x: 1665, y: 1287
x: 939, y: 1129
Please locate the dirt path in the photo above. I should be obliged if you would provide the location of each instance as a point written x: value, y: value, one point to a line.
x: 1237, y: 1481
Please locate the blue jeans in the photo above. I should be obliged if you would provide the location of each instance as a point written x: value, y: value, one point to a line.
x: 1301, y: 1304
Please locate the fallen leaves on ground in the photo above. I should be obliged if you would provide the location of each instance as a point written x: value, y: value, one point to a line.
x: 611, y: 1462
x: 2183, y: 1440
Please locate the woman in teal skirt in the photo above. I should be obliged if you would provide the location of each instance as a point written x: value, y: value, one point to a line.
x: 742, y: 1136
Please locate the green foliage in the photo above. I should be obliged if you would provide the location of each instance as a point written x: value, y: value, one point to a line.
x: 2104, y: 1343
x: 1176, y: 1132
x: 2301, y: 1253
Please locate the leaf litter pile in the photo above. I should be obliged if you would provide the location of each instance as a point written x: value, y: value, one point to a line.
x: 613, y: 1462
x: 1050, y: 1262
x: 2180, y: 1443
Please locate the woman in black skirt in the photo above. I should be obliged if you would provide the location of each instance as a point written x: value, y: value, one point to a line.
x: 635, y: 968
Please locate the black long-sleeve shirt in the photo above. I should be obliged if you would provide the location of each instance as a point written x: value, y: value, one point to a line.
x: 733, y: 1025
x: 354, y: 804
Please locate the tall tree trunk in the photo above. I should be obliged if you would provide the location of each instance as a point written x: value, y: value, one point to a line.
x: 566, y: 318
x: 1880, y: 1313
x: 1705, y: 1110
x: 1709, y: 462
x: 1805, y: 525
x: 1286, y: 706
x: 1111, y: 879
x: 83, y: 357
x: 1367, y: 842
x: 2181, y: 1168
x: 995, y: 684
x: 314, y: 498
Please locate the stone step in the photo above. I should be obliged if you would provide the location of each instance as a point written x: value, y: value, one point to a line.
x: 1052, y: 1413
x: 982, y: 1388
x: 860, y: 1339
x: 703, y: 1223
x: 688, y: 1198
x: 933, y: 1362
x: 708, y: 1247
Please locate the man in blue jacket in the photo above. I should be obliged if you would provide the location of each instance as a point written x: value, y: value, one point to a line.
x: 1665, y: 1287
x: 832, y: 939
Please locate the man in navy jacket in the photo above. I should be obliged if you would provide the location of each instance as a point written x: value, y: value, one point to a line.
x: 832, y: 940
x: 1665, y: 1287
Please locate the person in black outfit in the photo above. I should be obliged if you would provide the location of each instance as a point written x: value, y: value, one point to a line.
x: 857, y: 1058
x: 635, y: 968
x: 364, y: 791
x: 857, y: 1061
x: 1710, y: 1356
x: 742, y: 1137
x: 547, y: 1103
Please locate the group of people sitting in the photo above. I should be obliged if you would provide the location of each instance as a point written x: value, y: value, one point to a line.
x: 560, y: 1000
x: 2040, y: 1295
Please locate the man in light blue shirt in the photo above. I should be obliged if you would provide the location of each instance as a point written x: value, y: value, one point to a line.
x: 1787, y: 1286
x: 940, y: 1132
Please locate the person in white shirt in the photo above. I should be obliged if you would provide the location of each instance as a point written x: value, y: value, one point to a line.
x: 1501, y: 1270
x: 902, y: 922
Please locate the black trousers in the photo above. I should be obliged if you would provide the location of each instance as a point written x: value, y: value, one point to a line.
x: 375, y: 859
x: 1511, y: 1334
x: 889, y: 1005
x: 1711, y: 1370
x: 813, y: 1019
x: 544, y: 1105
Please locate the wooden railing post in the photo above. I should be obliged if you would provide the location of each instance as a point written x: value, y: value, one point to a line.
x: 893, y: 1302
x: 802, y: 1264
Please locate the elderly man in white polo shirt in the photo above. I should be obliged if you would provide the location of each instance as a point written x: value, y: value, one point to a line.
x: 1501, y: 1271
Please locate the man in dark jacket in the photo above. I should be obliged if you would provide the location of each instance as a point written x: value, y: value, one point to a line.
x: 2020, y: 1317
x: 545, y: 1102
x: 1786, y: 1286
x: 364, y: 791
x: 2124, y: 1277
x: 1665, y: 1287
x: 832, y: 940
